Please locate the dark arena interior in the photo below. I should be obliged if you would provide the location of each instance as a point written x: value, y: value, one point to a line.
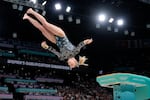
x: 118, y: 58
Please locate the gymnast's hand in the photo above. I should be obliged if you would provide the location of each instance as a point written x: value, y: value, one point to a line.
x: 88, y: 41
x: 82, y: 60
x: 44, y: 45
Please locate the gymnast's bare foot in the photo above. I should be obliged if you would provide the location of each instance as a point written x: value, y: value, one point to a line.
x: 44, y: 45
x: 29, y: 11
x: 25, y: 16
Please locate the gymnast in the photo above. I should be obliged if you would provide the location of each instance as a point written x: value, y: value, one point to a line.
x: 67, y: 51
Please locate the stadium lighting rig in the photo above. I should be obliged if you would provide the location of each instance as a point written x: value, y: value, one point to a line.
x: 28, y: 3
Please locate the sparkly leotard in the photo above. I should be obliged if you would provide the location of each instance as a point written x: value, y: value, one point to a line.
x: 64, y: 43
x: 67, y: 49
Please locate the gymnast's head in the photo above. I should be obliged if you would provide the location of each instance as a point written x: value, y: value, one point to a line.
x: 72, y: 62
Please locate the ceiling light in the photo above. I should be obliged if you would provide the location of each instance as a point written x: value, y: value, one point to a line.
x: 111, y: 20
x: 68, y: 9
x: 120, y: 22
x: 58, y: 6
x: 102, y: 17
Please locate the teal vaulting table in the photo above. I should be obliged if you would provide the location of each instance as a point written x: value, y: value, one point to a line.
x: 126, y: 86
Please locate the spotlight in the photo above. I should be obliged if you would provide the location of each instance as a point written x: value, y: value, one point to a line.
x: 61, y: 17
x: 4, y: 67
x: 108, y: 28
x: 20, y: 8
x: 70, y: 19
x: 116, y: 30
x: 148, y: 26
x: 78, y: 21
x: 120, y: 22
x: 33, y: 1
x: 98, y: 25
x: 28, y: 3
x: 14, y: 35
x: 111, y: 20
x: 126, y: 32
x: 68, y: 9
x: 132, y: 34
x: 58, y: 6
x: 102, y: 17
x: 14, y: 6
x: 44, y: 3
x: 44, y: 13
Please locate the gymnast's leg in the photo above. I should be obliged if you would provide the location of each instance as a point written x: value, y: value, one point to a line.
x: 50, y: 27
x: 36, y: 24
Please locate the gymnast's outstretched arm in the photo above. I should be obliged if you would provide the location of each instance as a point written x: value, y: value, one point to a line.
x: 82, y: 44
x: 51, y: 49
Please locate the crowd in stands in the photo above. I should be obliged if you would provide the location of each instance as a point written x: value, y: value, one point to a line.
x: 84, y: 91
x: 76, y: 89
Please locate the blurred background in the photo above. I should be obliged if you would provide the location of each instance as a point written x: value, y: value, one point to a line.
x: 120, y: 30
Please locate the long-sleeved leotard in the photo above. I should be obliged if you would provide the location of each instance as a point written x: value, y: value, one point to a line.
x: 67, y: 49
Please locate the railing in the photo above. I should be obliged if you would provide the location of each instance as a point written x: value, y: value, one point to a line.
x: 37, y: 90
x: 19, y: 80
x: 40, y: 97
